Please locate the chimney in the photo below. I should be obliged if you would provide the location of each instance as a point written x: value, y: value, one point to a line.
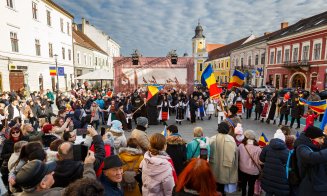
x: 266, y: 33
x: 283, y: 25
x: 74, y: 26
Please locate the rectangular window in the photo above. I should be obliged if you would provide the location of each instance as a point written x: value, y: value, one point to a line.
x: 96, y: 61
x: 50, y: 50
x: 34, y: 10
x: 90, y: 61
x: 279, y: 56
x: 295, y: 54
x: 287, y: 55
x: 14, y: 42
x: 63, y: 53
x: 256, y: 59
x: 236, y: 62
x: 271, y: 79
x: 48, y: 17
x: 78, y: 58
x: 249, y: 61
x: 10, y: 3
x: 242, y: 62
x: 227, y: 65
x: 263, y: 58
x: 37, y: 47
x: 62, y: 25
x: 68, y: 28
x: 277, y: 81
x: 85, y: 59
x: 285, y: 80
x: 305, y: 54
x: 317, y: 51
x: 272, y: 55
x: 69, y: 54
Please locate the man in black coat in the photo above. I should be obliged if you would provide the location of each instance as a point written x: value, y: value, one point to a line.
x: 312, y: 161
x: 69, y: 170
x: 176, y: 148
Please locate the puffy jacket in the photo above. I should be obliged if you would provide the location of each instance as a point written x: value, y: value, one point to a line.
x: 157, y: 175
x: 274, y: 156
x: 176, y: 149
x: 142, y: 139
x: 312, y: 166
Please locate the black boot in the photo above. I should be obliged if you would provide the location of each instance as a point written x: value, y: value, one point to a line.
x: 209, y: 117
x: 262, y: 120
x: 180, y: 122
x: 201, y: 118
x: 274, y: 122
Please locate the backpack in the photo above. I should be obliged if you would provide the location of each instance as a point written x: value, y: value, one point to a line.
x: 204, y: 152
x: 292, y: 168
x: 129, y: 182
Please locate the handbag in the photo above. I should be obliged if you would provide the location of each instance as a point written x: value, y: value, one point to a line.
x: 259, y: 168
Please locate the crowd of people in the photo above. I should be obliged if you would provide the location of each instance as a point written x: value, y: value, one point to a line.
x: 82, y: 149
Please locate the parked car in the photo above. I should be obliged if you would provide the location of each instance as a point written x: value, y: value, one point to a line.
x: 265, y: 89
x: 323, y: 94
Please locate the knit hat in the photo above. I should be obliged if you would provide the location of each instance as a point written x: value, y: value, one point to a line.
x: 142, y: 121
x: 313, y: 132
x: 112, y: 162
x: 280, y: 135
x: 238, y: 129
x: 250, y: 134
x: 116, y: 126
x: 223, y: 128
x: 47, y: 128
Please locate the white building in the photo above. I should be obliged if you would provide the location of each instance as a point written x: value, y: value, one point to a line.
x: 32, y: 34
x: 105, y: 42
x: 87, y: 55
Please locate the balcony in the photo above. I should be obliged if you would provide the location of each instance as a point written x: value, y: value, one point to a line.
x: 296, y: 65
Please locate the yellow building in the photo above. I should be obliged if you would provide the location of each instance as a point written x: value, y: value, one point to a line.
x: 221, y: 67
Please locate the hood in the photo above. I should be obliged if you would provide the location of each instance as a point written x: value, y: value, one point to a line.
x: 175, y: 139
x: 131, y: 151
x: 277, y: 144
x: 157, y: 167
x: 304, y: 140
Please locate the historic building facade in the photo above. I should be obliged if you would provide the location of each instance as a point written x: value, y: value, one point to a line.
x: 35, y: 35
x: 297, y: 56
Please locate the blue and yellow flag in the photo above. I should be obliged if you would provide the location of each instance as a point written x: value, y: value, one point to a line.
x: 316, y: 106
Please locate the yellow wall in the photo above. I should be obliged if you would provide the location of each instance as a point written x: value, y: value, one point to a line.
x: 221, y: 68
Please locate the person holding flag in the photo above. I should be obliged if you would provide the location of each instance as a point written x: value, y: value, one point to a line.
x: 208, y: 80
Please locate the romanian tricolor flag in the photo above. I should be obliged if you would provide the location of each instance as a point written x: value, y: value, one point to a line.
x: 208, y: 79
x: 152, y: 90
x: 236, y: 80
x: 53, y: 71
x: 263, y: 141
x: 316, y: 106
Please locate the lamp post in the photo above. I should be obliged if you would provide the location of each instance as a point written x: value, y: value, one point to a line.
x: 57, y: 85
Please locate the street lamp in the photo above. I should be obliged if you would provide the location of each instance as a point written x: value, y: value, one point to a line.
x: 57, y: 85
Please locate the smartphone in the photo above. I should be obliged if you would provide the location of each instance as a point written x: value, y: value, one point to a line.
x: 82, y: 131
x: 80, y: 151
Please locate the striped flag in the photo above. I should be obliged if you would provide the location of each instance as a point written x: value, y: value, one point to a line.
x: 237, y: 79
x: 263, y: 141
x: 316, y: 106
x: 208, y: 80
x: 53, y: 71
x: 152, y: 91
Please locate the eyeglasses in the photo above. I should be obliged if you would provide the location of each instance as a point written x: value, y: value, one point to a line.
x: 15, y: 132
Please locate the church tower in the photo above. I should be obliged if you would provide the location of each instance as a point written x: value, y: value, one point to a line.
x: 199, y: 52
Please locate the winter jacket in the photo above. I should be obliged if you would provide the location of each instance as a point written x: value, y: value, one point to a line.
x: 58, y: 191
x: 107, y: 149
x: 284, y: 107
x: 224, y: 158
x: 120, y: 115
x: 69, y: 170
x: 193, y: 147
x: 297, y: 110
x: 131, y: 157
x: 246, y: 165
x: 157, y: 175
x: 142, y: 139
x: 119, y: 141
x: 312, y: 167
x: 110, y: 188
x: 274, y: 156
x: 176, y: 149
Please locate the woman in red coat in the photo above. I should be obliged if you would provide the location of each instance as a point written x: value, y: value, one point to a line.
x: 249, y: 105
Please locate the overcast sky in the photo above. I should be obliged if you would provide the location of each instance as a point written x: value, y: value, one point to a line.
x: 158, y: 26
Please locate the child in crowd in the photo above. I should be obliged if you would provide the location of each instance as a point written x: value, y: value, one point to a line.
x: 310, y: 119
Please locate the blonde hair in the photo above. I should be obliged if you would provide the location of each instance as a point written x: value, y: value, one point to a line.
x: 198, y: 132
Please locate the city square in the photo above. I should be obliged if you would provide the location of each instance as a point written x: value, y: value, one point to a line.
x: 171, y: 98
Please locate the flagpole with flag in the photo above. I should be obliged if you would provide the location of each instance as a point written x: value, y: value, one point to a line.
x: 237, y: 79
x: 152, y: 91
x: 324, y: 121
x: 208, y: 80
x: 263, y: 140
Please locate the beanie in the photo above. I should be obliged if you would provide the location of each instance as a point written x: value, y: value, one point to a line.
x: 142, y: 121
x: 280, y: 135
x: 313, y: 132
x: 238, y: 129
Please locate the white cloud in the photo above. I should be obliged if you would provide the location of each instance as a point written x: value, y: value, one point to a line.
x: 155, y: 27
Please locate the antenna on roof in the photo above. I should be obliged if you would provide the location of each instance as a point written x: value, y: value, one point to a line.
x: 199, y: 21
